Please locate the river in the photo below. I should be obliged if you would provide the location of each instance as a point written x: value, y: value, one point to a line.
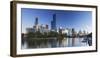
x: 54, y: 43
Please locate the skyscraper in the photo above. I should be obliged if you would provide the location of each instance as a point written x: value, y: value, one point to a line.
x: 36, y: 24
x: 36, y: 21
x: 53, y: 23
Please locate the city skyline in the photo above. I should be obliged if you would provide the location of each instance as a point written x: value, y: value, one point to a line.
x: 79, y: 20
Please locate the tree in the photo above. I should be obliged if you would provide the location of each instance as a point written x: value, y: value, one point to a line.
x: 52, y: 34
x: 38, y: 34
x: 30, y: 35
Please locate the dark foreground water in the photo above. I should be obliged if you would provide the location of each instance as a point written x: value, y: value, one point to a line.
x: 54, y: 43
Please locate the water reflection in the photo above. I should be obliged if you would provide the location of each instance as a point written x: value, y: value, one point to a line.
x: 54, y: 42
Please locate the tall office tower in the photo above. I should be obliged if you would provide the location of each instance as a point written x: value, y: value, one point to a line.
x: 53, y: 23
x: 36, y: 21
x: 36, y: 24
x: 73, y: 31
x: 54, y: 19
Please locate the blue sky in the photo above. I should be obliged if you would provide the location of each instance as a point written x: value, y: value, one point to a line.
x: 80, y: 20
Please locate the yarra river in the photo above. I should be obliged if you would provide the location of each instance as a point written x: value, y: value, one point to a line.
x: 54, y: 43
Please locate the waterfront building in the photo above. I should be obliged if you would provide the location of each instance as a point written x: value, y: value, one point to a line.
x: 36, y: 21
x: 84, y: 32
x: 41, y: 28
x: 44, y: 28
x: 36, y: 24
x: 69, y: 32
x: 60, y: 30
x: 65, y: 31
x: 74, y: 33
x: 80, y: 33
x: 30, y: 30
x: 53, y: 23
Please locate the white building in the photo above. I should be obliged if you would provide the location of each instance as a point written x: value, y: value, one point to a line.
x: 41, y: 28
x: 65, y: 31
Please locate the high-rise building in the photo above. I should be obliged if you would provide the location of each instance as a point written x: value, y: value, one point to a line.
x: 47, y: 26
x: 73, y: 30
x: 53, y: 23
x: 36, y: 24
x: 36, y: 21
x: 41, y: 28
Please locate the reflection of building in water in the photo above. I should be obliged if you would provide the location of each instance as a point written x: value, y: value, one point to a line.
x: 41, y: 28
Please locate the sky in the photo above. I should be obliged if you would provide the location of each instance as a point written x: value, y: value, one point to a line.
x: 79, y: 20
